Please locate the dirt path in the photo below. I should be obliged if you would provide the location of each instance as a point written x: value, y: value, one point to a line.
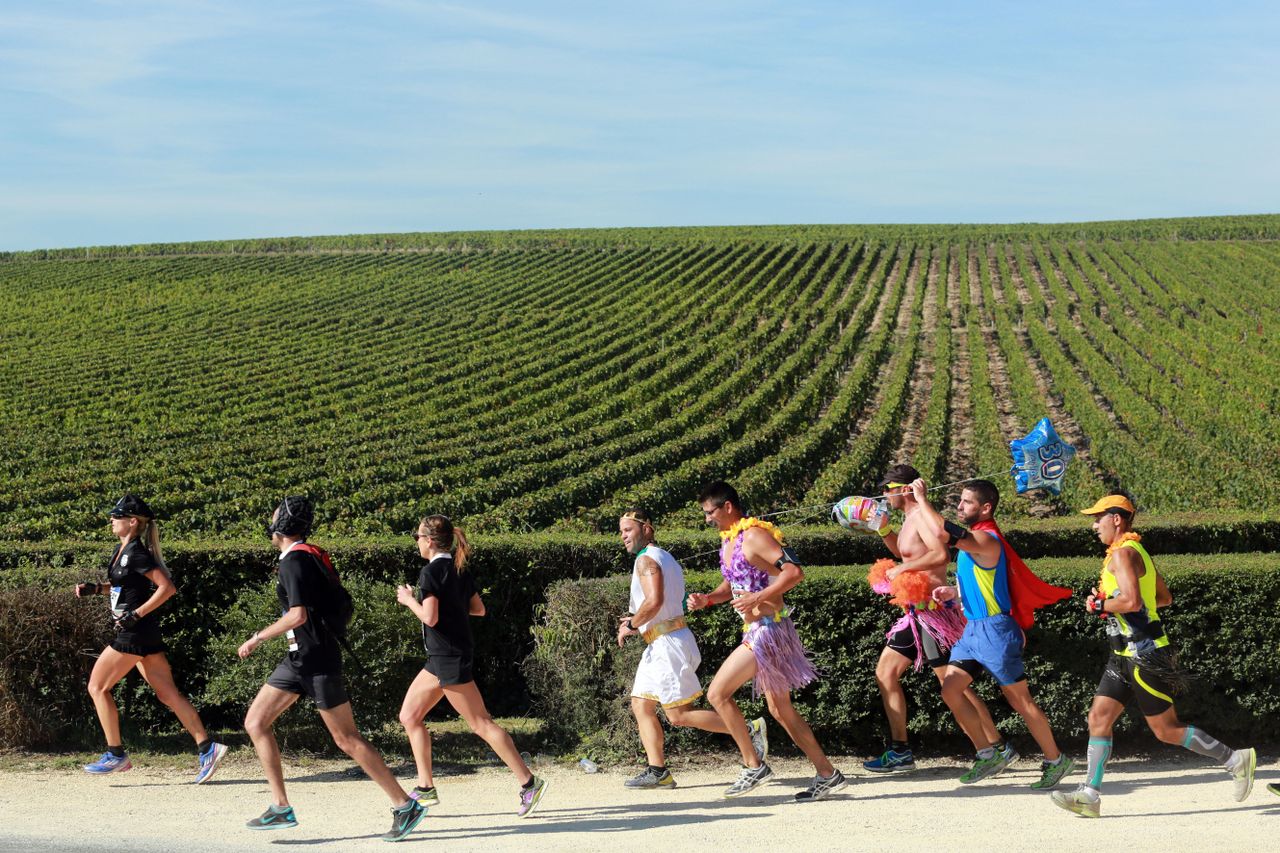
x: 1148, y: 805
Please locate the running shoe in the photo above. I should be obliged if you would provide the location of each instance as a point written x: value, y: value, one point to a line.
x: 892, y: 761
x: 1274, y: 788
x: 1051, y: 774
x: 108, y: 763
x: 209, y: 761
x: 426, y: 796
x: 1083, y: 801
x: 404, y: 819
x: 748, y: 780
x: 273, y: 819
x: 1245, y: 761
x: 823, y: 786
x: 649, y: 779
x: 759, y: 738
x: 531, y: 796
x: 984, y: 768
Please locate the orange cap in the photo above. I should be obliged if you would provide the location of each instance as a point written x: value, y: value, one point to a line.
x: 1110, y: 502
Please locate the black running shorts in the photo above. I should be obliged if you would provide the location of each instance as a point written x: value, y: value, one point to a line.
x: 327, y: 690
x: 450, y: 669
x: 1124, y: 678
x: 903, y: 642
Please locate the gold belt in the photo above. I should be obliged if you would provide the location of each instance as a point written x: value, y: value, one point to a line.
x: 661, y: 628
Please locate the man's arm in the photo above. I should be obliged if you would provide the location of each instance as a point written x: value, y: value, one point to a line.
x: 651, y: 584
x: 984, y: 547
x: 1128, y: 596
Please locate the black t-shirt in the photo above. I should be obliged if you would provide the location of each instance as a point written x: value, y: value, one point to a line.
x: 301, y: 581
x: 452, y: 632
x: 130, y: 586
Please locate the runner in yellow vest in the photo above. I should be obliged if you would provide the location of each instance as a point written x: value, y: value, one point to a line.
x: 1142, y: 665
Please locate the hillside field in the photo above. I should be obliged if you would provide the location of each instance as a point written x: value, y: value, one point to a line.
x: 544, y: 380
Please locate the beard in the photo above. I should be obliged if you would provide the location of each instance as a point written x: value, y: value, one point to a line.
x: 968, y: 519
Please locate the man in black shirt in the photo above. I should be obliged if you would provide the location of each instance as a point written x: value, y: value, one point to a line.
x: 313, y: 667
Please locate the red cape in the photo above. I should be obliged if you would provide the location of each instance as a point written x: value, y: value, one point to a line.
x: 1027, y: 593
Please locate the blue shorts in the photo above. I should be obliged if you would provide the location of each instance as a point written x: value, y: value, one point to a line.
x: 994, y: 644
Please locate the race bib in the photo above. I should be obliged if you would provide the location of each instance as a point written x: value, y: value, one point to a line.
x: 116, y: 609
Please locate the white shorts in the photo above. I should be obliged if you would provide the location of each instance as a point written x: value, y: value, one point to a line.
x: 668, y: 671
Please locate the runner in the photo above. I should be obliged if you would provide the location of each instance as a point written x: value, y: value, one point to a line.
x: 310, y: 603
x: 1142, y: 665
x: 139, y: 584
x: 924, y: 634
x: 668, y: 670
x: 444, y: 602
x: 757, y: 571
x: 999, y: 594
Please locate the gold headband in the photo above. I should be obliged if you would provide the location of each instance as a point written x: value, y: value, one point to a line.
x: 631, y: 516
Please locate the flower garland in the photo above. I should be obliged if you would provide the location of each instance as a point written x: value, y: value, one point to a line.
x: 742, y: 524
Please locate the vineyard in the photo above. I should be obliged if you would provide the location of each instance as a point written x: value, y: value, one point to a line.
x: 545, y: 380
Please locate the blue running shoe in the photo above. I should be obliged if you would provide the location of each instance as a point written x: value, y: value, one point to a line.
x: 891, y: 762
x: 209, y: 761
x: 109, y: 763
x: 404, y: 819
x: 274, y: 818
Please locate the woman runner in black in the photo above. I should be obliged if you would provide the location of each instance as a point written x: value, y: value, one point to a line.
x: 139, y: 584
x: 444, y: 601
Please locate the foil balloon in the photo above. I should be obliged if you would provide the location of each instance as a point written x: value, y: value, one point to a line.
x: 1040, y: 459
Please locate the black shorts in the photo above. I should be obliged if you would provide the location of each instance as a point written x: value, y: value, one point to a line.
x: 326, y: 689
x: 1126, y: 678
x: 132, y: 643
x: 450, y: 669
x: 904, y: 643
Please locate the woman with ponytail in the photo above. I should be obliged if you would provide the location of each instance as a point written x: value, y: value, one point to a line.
x: 443, y: 602
x: 139, y: 584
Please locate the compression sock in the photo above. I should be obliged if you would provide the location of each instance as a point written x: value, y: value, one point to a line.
x: 117, y: 751
x: 1202, y: 743
x: 1099, y: 752
x: 203, y: 746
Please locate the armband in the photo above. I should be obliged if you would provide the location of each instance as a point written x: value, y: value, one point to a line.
x: 630, y: 626
x: 1096, y: 605
x: 954, y: 533
x: 788, y: 556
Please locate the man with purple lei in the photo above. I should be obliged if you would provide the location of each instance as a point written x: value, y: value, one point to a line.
x: 757, y: 570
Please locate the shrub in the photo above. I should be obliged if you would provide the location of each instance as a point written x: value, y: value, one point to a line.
x: 581, y: 681
x: 48, y: 642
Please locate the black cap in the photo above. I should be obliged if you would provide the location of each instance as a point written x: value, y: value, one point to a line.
x: 901, y: 473
x: 294, y: 518
x: 132, y: 505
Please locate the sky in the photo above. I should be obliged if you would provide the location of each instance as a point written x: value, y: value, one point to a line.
x: 135, y: 121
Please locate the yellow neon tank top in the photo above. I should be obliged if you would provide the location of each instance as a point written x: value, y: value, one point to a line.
x: 1140, y: 631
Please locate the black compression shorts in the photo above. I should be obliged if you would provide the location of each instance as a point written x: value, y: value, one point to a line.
x: 1125, y: 678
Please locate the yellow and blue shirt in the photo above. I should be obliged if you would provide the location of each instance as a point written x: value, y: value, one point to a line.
x: 1140, y: 631
x: 983, y: 591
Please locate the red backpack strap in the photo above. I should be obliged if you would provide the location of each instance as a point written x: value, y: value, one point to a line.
x: 320, y: 554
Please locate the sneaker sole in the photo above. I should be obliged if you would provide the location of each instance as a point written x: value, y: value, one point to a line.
x: 280, y: 825
x: 905, y: 768
x: 220, y: 752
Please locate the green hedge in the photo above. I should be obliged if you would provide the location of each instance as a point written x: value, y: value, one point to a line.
x: 514, y: 572
x: 1223, y: 620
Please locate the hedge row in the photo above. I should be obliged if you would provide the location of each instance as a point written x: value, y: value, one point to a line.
x: 1223, y: 621
x: 514, y: 573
